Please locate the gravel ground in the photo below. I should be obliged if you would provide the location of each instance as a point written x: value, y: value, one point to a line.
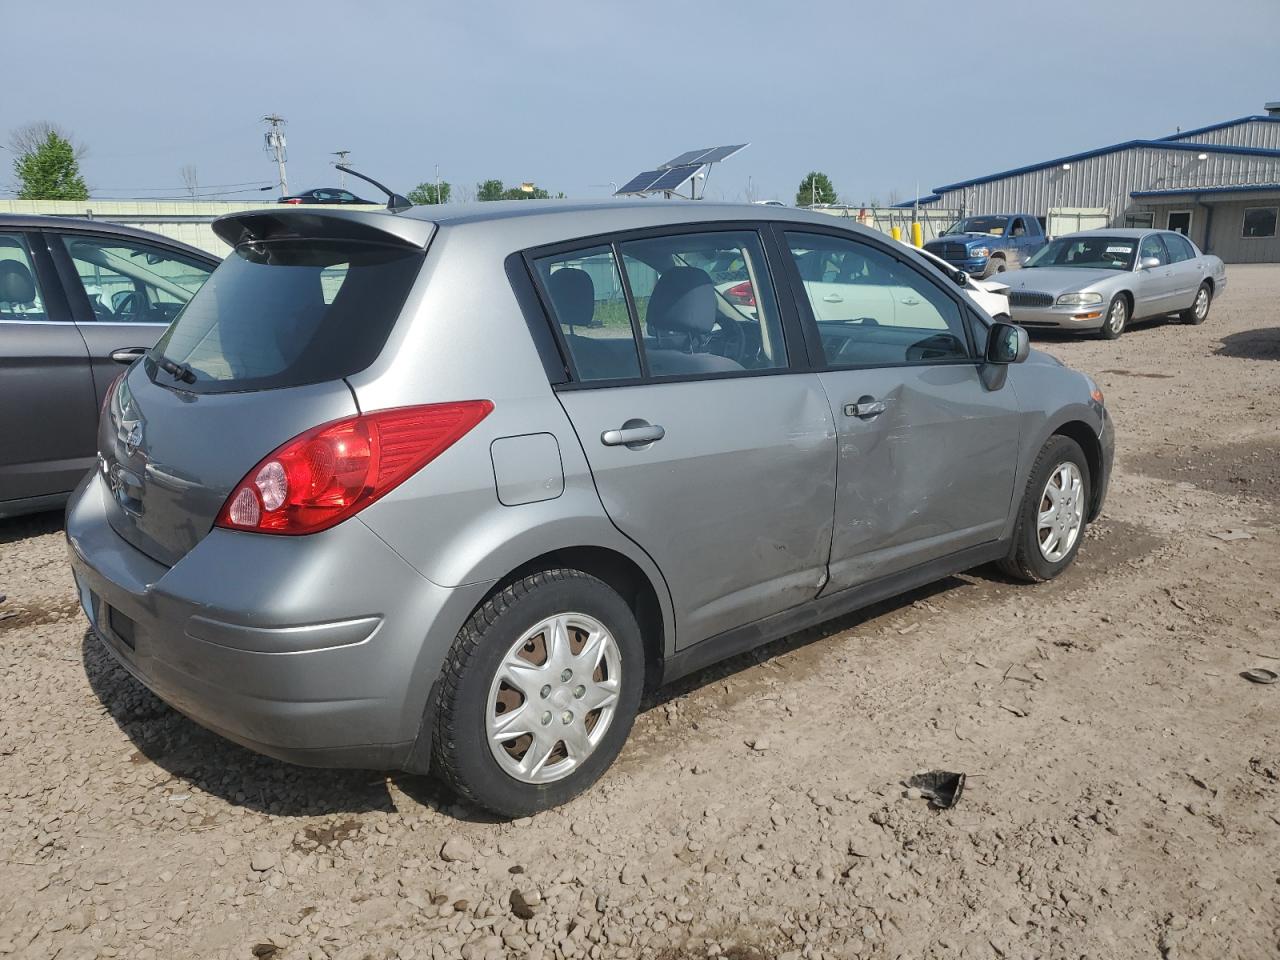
x: 1123, y: 798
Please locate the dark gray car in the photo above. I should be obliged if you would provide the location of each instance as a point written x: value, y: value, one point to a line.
x: 76, y: 297
x: 447, y: 489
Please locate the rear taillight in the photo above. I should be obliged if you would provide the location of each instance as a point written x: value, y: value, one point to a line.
x: 292, y: 200
x: 742, y: 294
x: 327, y: 474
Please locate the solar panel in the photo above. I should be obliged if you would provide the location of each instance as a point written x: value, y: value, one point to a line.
x: 705, y: 155
x: 686, y: 158
x: 675, y: 177
x: 641, y: 182
x: 721, y: 153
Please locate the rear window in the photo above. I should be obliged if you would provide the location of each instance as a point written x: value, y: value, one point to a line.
x: 289, y: 312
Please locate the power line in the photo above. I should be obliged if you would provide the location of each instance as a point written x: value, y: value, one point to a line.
x: 239, y: 183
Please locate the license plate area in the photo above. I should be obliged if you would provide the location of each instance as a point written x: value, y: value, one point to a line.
x: 120, y: 626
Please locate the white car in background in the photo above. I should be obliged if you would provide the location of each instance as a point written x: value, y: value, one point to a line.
x: 991, y: 295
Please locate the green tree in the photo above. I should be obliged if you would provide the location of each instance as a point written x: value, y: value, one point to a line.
x: 47, y: 164
x: 815, y: 188
x: 489, y: 190
x: 425, y: 194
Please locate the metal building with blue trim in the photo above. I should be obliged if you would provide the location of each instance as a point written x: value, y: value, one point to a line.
x: 1219, y: 184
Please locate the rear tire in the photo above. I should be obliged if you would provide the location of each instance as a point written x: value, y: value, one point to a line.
x: 1117, y: 317
x: 557, y: 616
x: 1198, y: 312
x: 1050, y: 526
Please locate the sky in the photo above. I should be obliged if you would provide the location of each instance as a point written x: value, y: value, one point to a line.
x: 573, y: 94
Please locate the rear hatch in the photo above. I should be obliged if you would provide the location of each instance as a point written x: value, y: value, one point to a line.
x: 258, y: 356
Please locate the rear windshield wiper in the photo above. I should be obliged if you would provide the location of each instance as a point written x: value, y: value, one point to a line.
x: 179, y: 371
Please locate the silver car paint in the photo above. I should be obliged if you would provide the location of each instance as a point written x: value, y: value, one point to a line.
x: 283, y: 667
x: 1169, y: 288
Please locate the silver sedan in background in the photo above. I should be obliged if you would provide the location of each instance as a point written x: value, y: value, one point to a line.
x: 1100, y: 280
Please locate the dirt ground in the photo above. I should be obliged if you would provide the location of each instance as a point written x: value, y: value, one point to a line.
x: 1123, y: 796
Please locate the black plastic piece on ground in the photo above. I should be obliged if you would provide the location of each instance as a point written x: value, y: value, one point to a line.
x: 942, y: 787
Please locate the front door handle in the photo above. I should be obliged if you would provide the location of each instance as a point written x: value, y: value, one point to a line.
x: 911, y: 302
x: 634, y: 434
x: 833, y: 298
x: 866, y: 408
x: 127, y: 354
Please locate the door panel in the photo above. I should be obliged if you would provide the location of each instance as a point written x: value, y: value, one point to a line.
x: 47, y: 406
x: 1155, y: 289
x: 931, y: 475
x: 733, y: 503
x: 927, y: 450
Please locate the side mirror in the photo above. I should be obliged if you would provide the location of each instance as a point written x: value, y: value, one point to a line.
x: 1007, y: 343
x: 1150, y: 263
x: 961, y: 278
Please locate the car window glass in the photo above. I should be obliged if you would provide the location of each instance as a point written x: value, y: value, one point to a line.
x: 1017, y: 230
x: 871, y: 309
x: 129, y: 282
x: 19, y: 294
x: 1179, y: 249
x: 587, y: 298
x: 705, y: 303
x: 1152, y: 246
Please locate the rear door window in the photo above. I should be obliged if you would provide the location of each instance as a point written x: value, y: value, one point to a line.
x: 19, y: 295
x: 290, y: 312
x: 587, y: 298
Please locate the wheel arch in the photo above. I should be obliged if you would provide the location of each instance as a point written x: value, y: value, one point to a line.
x: 1084, y: 435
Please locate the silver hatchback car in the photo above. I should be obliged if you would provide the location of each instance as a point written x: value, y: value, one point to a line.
x: 448, y: 489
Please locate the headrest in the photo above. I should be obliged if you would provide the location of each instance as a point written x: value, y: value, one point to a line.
x: 16, y: 285
x: 573, y: 295
x: 683, y: 301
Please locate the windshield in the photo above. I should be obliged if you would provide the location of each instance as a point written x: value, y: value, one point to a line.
x: 992, y: 226
x: 288, y: 313
x: 1091, y: 253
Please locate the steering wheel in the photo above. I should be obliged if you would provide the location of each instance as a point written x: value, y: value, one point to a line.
x: 131, y: 308
x: 733, y: 338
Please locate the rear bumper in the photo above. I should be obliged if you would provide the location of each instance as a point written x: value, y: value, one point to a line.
x: 317, y: 650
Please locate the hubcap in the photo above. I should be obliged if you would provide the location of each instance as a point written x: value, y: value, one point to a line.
x: 1061, y: 514
x: 553, y: 697
x: 1202, y: 303
x: 1118, y: 311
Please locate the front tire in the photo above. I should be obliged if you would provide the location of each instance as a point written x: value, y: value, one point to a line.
x: 994, y: 265
x: 1117, y: 316
x: 1198, y: 312
x: 538, y: 693
x: 1051, y: 518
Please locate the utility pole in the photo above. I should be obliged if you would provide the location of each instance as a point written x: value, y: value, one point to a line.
x: 275, y: 144
x: 438, y: 183
x: 341, y: 161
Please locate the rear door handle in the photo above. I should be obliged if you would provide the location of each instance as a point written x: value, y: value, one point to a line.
x: 833, y: 298
x: 866, y: 408
x: 633, y: 436
x: 127, y: 354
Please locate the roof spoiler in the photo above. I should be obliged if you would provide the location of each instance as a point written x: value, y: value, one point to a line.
x: 299, y: 223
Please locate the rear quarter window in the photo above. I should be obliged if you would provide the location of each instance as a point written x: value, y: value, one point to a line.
x: 288, y: 313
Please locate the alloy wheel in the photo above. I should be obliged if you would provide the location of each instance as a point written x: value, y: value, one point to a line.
x: 1202, y: 303
x: 1117, y: 316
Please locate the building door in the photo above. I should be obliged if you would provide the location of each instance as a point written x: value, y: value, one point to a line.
x: 1180, y: 221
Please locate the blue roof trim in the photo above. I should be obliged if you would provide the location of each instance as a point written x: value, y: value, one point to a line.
x: 1192, y: 191
x: 1114, y: 148
x: 1221, y: 126
x: 931, y: 198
